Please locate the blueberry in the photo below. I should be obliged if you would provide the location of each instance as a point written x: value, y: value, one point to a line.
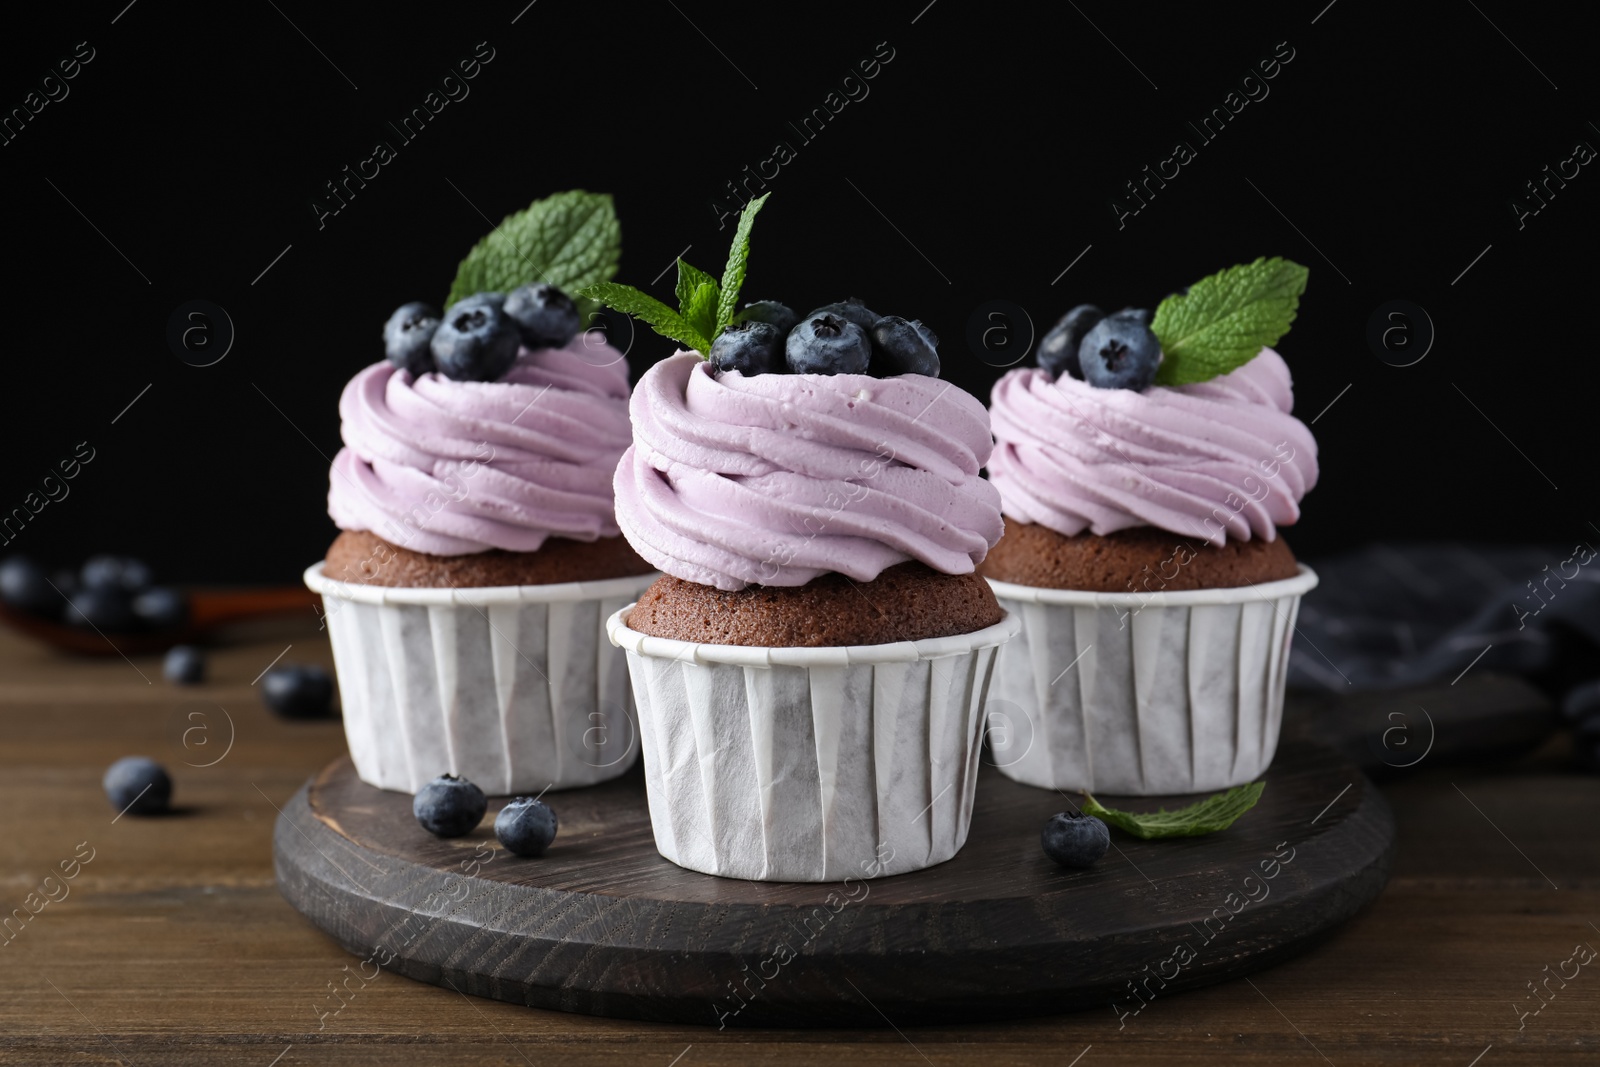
x: 137, y: 785
x: 406, y: 337
x: 851, y: 310
x: 115, y: 572
x: 476, y: 342
x: 526, y: 826
x: 1058, y: 352
x: 1120, y: 352
x: 24, y: 586
x: 749, y: 347
x: 497, y: 300
x: 184, y: 665
x: 1582, y: 701
x: 298, y: 691
x: 780, y: 315
x: 103, y: 609
x: 545, y: 316
x: 449, y: 806
x: 161, y: 608
x: 901, y: 347
x: 828, y: 344
x: 1075, y: 840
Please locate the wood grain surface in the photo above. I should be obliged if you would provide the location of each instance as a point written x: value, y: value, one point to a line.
x: 173, y: 946
x: 603, y: 925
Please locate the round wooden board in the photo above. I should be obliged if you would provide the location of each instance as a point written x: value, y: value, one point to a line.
x: 604, y: 925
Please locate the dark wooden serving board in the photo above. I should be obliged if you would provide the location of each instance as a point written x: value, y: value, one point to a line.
x: 604, y: 925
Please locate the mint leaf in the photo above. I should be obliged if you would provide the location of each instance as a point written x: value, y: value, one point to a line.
x: 649, y: 310
x: 1225, y: 320
x: 1203, y: 817
x: 689, y: 279
x: 702, y: 309
x: 570, y: 240
x: 738, y: 261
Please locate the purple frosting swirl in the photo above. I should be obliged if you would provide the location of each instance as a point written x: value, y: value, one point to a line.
x: 1218, y: 459
x: 774, y: 479
x: 451, y: 468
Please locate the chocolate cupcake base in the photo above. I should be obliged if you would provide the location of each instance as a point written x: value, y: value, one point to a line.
x: 907, y: 602
x: 363, y: 558
x: 1140, y: 559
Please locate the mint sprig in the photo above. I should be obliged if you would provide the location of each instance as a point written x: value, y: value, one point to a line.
x: 1202, y: 817
x: 646, y: 308
x: 705, y: 307
x: 1226, y: 319
x: 571, y: 240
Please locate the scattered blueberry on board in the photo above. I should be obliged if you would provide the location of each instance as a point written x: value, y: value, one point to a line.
x: 449, y: 806
x: 184, y: 665
x: 298, y: 691
x: 526, y: 826
x: 1075, y: 840
x: 137, y: 785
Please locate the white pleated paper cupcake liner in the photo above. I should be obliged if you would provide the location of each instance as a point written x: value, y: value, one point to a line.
x: 810, y: 764
x: 1141, y: 695
x: 513, y: 687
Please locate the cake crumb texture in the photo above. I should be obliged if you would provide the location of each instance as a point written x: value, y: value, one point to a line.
x: 907, y: 602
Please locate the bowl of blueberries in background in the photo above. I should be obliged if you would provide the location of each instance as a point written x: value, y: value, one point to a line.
x: 112, y: 604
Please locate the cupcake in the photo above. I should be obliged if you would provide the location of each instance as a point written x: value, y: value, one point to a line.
x: 479, y: 554
x: 809, y: 671
x: 1145, y: 468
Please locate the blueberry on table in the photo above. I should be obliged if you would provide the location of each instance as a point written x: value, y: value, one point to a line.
x: 106, y: 609
x: 1075, y: 840
x: 25, y: 586
x: 161, y: 608
x: 449, y: 806
x: 828, y: 344
x: 137, y: 785
x: 298, y: 691
x: 1058, y: 352
x: 408, y: 335
x: 901, y: 347
x: 526, y: 826
x: 545, y: 316
x: 749, y: 347
x: 115, y: 572
x: 770, y: 311
x: 476, y: 342
x: 851, y: 310
x: 1120, y: 352
x: 184, y: 665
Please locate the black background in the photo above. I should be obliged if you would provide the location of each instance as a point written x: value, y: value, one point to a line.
x: 982, y: 162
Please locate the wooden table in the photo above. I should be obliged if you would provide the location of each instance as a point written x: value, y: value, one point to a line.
x: 173, y: 946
